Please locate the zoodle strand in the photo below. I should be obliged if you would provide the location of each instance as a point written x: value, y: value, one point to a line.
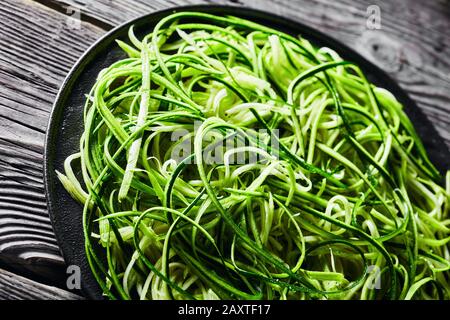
x: 223, y: 159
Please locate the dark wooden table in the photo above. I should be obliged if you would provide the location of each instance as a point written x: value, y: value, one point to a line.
x: 40, y: 40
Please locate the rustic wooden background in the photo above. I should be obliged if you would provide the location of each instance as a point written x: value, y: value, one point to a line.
x: 40, y: 41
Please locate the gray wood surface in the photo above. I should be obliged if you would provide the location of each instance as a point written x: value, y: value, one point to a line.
x: 39, y: 42
x: 37, y: 50
x: 13, y: 286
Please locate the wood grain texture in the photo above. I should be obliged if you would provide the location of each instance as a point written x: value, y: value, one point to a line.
x: 38, y: 45
x: 13, y: 286
x: 37, y: 50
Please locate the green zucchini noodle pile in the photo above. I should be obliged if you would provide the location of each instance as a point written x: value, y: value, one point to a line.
x: 323, y: 190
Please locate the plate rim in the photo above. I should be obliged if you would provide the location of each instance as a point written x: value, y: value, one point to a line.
x: 90, y: 53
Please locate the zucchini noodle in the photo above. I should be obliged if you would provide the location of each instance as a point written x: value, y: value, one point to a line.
x: 223, y: 159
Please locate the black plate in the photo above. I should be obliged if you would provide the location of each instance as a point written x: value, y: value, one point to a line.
x: 66, y: 123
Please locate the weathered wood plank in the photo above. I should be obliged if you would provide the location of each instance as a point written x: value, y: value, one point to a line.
x: 118, y: 11
x: 412, y: 45
x: 16, y: 287
x: 37, y: 50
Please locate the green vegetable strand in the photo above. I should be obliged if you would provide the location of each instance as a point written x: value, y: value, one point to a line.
x: 222, y: 159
